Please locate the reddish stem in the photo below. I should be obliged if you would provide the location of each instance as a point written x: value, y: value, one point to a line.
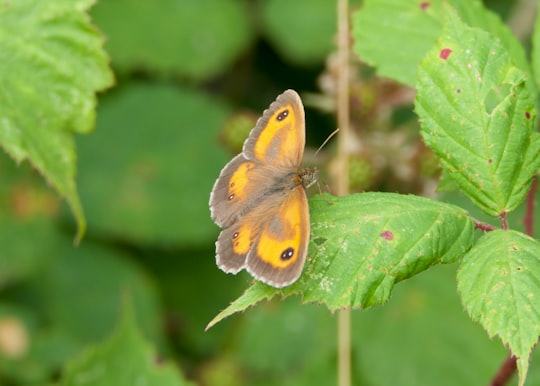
x: 505, y: 372
x: 504, y: 220
x: 483, y: 226
x: 528, y: 219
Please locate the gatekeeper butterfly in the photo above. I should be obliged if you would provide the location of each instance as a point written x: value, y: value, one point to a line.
x: 259, y: 199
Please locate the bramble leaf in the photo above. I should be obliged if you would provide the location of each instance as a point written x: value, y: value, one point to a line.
x: 51, y: 65
x: 478, y: 116
x: 499, y: 283
x: 363, y: 244
x: 394, y: 35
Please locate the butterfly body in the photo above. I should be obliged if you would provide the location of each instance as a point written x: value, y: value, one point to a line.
x: 260, y: 198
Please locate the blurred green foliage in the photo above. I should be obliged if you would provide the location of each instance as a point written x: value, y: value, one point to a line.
x: 183, y: 67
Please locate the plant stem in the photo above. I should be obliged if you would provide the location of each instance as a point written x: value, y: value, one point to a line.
x: 483, y: 226
x: 504, y: 220
x: 344, y: 347
x: 505, y: 372
x: 528, y: 219
x: 342, y: 180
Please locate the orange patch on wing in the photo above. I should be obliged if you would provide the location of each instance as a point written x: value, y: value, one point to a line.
x: 238, y: 182
x: 281, y: 132
x: 242, y: 239
x: 281, y: 250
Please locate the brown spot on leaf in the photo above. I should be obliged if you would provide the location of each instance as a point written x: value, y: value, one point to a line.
x: 445, y: 53
x: 387, y: 235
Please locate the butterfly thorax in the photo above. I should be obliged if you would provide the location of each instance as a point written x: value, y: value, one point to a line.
x: 293, y: 179
x: 309, y: 176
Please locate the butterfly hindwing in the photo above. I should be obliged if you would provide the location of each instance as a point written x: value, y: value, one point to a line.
x: 279, y: 251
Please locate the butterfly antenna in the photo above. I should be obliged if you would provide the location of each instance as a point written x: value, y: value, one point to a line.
x: 325, y: 142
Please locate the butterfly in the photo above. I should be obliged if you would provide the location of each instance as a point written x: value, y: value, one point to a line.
x: 260, y: 202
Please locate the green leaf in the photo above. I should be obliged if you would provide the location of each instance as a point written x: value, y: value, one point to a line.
x: 125, y: 359
x: 74, y: 301
x: 447, y: 184
x: 142, y: 174
x: 27, y: 207
x: 478, y: 116
x: 105, y: 274
x: 422, y: 337
x: 21, y: 259
x: 394, y: 35
x: 363, y: 244
x: 51, y: 65
x: 499, y: 282
x: 305, y: 33
x: 535, y: 51
x: 195, y: 39
x: 307, y: 331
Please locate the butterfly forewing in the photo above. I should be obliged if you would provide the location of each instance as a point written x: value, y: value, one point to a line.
x: 279, y: 135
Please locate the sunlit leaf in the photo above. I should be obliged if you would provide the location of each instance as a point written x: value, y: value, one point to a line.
x: 478, y: 116
x: 363, y: 244
x: 499, y: 283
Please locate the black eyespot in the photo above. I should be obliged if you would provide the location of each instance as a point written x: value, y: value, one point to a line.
x: 231, y: 197
x: 281, y: 116
x: 287, y: 254
x: 235, y: 235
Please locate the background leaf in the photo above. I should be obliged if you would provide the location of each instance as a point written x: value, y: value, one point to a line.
x: 498, y: 281
x: 304, y: 34
x: 73, y: 302
x: 487, y: 120
x: 535, y: 50
x: 376, y: 30
x: 396, y: 48
x: 137, y: 167
x: 29, y: 206
x: 51, y: 65
x: 125, y: 359
x: 195, y: 39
